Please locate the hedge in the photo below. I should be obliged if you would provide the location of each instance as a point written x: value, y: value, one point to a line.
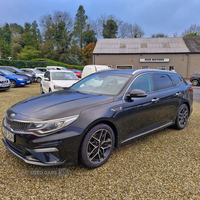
x: 22, y: 63
x: 36, y: 63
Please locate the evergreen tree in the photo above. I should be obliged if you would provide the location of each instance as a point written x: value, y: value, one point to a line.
x: 110, y: 29
x: 80, y: 24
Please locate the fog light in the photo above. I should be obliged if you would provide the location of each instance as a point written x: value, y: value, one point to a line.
x: 45, y: 150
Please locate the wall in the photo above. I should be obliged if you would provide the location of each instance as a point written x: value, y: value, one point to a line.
x: 185, y: 64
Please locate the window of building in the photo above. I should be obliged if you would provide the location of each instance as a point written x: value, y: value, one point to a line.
x: 162, y: 67
x: 171, y: 68
x: 145, y: 67
x: 124, y: 67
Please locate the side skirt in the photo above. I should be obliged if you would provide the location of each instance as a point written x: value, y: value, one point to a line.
x: 146, y: 132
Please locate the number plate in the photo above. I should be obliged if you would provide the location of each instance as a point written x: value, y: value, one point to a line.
x: 28, y: 81
x: 5, y: 85
x: 8, y: 135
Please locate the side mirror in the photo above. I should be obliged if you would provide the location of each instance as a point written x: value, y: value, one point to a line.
x: 46, y: 79
x: 137, y: 93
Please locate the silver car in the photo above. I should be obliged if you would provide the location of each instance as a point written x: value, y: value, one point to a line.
x: 4, y: 83
x: 39, y: 75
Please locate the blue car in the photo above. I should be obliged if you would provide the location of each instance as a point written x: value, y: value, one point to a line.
x: 16, y: 80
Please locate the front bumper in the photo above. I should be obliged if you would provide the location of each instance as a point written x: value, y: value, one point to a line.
x: 38, y: 150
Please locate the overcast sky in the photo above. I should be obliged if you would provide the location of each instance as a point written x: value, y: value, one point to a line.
x: 153, y: 16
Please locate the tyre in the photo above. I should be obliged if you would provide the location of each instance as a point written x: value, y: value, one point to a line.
x: 97, y: 146
x: 13, y: 84
x: 195, y: 82
x: 41, y: 90
x: 39, y: 79
x: 182, y: 117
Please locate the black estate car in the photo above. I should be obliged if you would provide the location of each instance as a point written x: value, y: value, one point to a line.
x: 17, y: 71
x: 195, y: 78
x: 85, y: 122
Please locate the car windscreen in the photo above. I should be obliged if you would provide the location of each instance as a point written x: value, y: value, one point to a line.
x: 18, y: 70
x: 63, y: 76
x: 102, y: 83
x: 37, y: 71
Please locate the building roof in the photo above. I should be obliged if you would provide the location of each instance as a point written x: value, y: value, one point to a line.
x: 193, y: 43
x: 140, y: 45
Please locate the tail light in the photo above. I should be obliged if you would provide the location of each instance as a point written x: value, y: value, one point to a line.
x: 191, y: 76
x: 191, y: 89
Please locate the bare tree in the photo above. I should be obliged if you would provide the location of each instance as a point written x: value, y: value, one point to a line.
x: 135, y: 31
x: 193, y: 29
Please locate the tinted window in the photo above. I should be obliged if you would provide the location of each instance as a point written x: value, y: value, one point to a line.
x: 175, y: 79
x: 162, y: 81
x: 143, y: 82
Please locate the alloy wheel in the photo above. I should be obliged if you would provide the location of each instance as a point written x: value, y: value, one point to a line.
x: 99, y: 146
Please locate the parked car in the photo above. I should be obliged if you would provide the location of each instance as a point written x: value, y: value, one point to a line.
x: 17, y: 71
x: 98, y: 113
x: 15, y: 80
x: 42, y: 69
x: 77, y: 72
x: 195, y: 79
x: 89, y: 69
x: 38, y: 74
x: 57, y: 80
x: 56, y: 68
x: 4, y: 83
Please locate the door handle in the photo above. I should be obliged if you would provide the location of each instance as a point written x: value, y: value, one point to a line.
x: 155, y: 100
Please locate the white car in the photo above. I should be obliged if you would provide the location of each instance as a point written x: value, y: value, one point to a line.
x: 38, y: 74
x: 56, y: 68
x: 55, y: 80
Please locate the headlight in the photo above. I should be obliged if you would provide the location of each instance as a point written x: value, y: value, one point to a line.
x: 56, y: 87
x: 51, y: 125
x: 20, y: 79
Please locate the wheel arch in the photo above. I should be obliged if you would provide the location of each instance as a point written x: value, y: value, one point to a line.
x: 90, y: 126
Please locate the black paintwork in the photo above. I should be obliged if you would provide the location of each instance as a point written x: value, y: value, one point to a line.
x: 128, y: 117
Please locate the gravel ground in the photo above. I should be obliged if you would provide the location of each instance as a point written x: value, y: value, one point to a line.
x: 163, y: 165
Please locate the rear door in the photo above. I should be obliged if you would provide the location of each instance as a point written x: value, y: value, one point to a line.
x: 169, y: 96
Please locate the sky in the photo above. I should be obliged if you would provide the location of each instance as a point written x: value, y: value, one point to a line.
x: 153, y: 16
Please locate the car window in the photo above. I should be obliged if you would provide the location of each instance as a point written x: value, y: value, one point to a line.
x: 143, y: 82
x: 162, y: 81
x: 63, y: 76
x: 175, y: 79
x: 102, y: 84
x: 47, y: 75
x: 10, y: 69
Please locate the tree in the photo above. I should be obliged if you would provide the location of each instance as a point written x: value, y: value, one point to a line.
x: 89, y: 36
x: 5, y: 40
x: 134, y: 31
x: 57, y: 32
x: 80, y: 24
x: 192, y: 31
x: 110, y: 29
x: 87, y: 53
x: 29, y: 53
x: 158, y: 35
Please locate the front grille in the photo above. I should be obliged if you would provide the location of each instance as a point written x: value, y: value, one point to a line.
x: 18, y: 149
x: 16, y: 126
